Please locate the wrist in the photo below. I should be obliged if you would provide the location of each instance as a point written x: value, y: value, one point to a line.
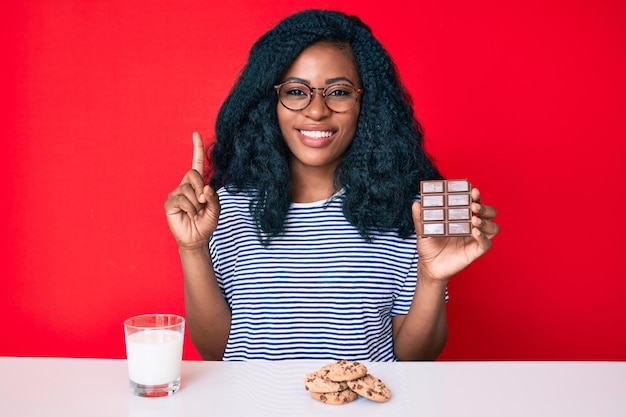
x: 426, y: 279
x: 194, y: 251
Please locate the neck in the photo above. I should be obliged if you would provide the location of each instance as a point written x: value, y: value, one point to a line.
x: 312, y: 185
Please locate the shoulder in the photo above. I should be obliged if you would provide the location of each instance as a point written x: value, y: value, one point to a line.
x: 234, y: 210
x: 233, y: 198
x: 229, y: 193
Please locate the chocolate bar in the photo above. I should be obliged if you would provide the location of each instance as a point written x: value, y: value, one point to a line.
x: 446, y: 208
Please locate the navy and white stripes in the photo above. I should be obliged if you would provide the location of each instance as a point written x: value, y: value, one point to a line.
x: 317, y: 292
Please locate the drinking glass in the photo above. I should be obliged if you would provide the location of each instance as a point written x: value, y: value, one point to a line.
x: 154, y: 351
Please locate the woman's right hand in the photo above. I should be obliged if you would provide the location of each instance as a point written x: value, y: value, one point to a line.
x: 193, y: 208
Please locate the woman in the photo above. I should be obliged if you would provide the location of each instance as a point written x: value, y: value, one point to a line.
x: 304, y: 245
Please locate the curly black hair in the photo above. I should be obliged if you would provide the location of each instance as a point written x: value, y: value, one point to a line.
x: 380, y: 171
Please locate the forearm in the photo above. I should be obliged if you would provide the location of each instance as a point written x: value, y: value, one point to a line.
x: 208, y: 315
x: 423, y: 332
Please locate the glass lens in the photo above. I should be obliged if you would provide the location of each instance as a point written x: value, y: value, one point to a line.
x: 340, y: 97
x: 295, y: 96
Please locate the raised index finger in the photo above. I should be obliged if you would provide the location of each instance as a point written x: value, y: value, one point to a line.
x: 198, y: 153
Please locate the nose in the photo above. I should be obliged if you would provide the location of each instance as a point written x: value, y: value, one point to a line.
x: 317, y: 108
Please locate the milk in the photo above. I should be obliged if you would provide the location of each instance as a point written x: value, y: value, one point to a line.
x: 154, y: 356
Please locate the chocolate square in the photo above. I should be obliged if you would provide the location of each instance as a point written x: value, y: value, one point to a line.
x: 446, y: 208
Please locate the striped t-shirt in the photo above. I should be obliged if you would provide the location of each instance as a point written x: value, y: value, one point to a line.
x: 319, y: 291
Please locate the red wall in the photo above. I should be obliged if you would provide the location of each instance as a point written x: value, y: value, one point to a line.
x: 99, y: 99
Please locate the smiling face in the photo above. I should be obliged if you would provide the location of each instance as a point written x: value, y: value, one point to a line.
x: 316, y: 136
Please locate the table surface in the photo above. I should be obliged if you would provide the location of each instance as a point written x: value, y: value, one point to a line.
x: 33, y: 387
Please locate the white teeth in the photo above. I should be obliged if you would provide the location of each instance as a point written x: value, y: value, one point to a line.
x: 316, y: 133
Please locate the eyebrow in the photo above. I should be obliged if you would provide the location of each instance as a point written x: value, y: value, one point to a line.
x: 328, y: 80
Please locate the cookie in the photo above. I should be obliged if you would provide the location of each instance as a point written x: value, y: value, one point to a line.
x: 336, y: 398
x: 317, y: 382
x: 371, y: 388
x: 344, y: 370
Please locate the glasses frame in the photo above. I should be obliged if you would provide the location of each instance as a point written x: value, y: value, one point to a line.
x: 277, y: 88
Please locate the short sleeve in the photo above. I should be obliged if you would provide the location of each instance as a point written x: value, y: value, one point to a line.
x: 403, y: 300
x: 404, y: 296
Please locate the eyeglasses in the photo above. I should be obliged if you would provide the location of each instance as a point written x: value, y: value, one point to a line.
x: 296, y: 96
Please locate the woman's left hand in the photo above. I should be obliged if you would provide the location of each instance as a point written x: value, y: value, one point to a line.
x: 443, y: 257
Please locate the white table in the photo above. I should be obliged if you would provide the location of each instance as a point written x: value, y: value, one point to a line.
x: 38, y: 387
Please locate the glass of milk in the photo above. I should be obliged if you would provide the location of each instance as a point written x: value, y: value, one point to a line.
x: 154, y: 349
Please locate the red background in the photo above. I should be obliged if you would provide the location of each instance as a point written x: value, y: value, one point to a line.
x: 526, y: 98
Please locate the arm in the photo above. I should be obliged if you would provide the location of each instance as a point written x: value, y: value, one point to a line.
x: 192, y: 211
x: 422, y: 333
x: 208, y: 315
